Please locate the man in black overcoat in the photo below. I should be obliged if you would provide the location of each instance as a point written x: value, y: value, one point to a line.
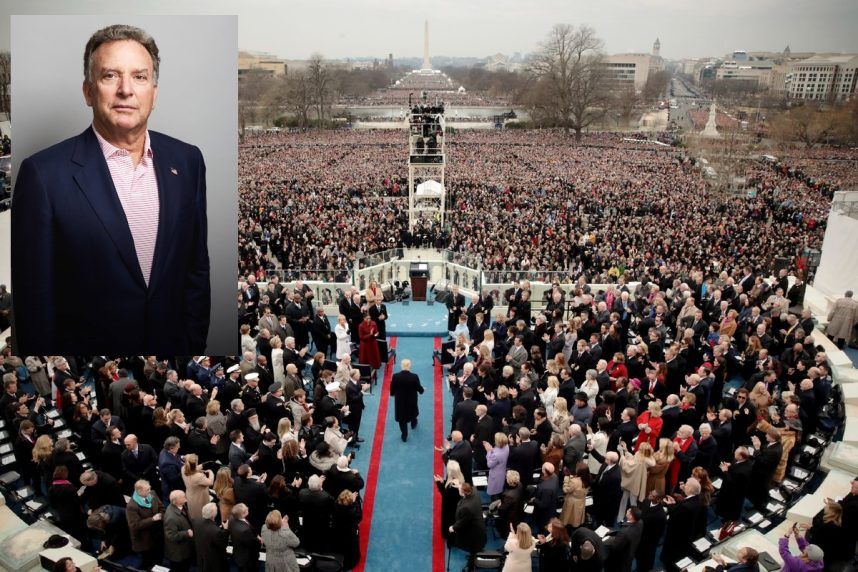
x: 210, y: 539
x: 404, y: 388
x: 683, y: 517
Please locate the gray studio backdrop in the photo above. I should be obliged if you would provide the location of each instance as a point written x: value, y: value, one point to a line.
x: 197, y: 103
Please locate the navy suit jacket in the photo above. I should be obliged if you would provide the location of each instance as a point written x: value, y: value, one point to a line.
x: 77, y: 282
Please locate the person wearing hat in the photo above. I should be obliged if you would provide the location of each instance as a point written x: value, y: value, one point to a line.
x: 254, y: 431
x: 329, y: 404
x: 266, y: 376
x: 250, y: 395
x: 581, y: 413
x: 811, y: 557
x: 274, y: 406
x: 342, y: 477
x: 230, y: 388
x: 205, y: 371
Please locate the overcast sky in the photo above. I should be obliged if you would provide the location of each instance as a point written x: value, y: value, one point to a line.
x: 294, y: 29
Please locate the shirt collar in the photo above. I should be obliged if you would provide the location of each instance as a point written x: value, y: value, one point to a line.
x: 111, y: 150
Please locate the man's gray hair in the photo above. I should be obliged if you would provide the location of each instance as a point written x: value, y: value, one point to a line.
x: 209, y: 511
x: 118, y: 33
x: 314, y: 483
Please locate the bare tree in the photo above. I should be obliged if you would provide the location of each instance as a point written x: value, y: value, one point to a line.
x: 808, y: 123
x: 299, y: 98
x: 623, y: 102
x: 656, y: 85
x: 251, y: 89
x: 5, y: 83
x: 569, y: 65
x: 274, y: 100
x: 320, y: 82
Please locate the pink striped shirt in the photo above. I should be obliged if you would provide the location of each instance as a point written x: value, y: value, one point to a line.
x: 137, y: 188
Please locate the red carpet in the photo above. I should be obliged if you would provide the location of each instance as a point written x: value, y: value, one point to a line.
x: 375, y: 460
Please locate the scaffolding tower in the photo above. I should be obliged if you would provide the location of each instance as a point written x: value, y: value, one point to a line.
x: 426, y: 161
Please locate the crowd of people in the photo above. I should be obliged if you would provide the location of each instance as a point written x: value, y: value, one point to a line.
x: 627, y: 400
x: 519, y: 201
x: 825, y: 168
x: 187, y: 455
x: 642, y: 401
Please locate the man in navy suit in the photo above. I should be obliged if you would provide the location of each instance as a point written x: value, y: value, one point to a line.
x: 109, y: 232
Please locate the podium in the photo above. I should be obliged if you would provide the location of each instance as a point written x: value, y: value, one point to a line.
x: 419, y: 277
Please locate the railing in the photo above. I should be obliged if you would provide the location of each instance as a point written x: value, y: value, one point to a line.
x: 547, y: 276
x: 320, y: 275
x: 368, y: 260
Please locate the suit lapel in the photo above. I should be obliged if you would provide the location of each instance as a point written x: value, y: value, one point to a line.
x: 169, y: 196
x: 95, y: 182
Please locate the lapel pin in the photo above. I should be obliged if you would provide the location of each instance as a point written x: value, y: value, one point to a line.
x: 174, y: 171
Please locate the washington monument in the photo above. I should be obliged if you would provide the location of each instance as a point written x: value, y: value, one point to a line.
x: 426, y: 64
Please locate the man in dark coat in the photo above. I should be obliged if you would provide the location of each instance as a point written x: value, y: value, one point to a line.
x: 465, y: 416
x: 545, y: 497
x: 404, y: 388
x: 354, y: 401
x: 766, y: 458
x: 245, y: 543
x: 100, y: 489
x: 587, y: 550
x: 735, y: 480
x: 683, y: 517
x: 623, y: 544
x: 316, y: 506
x: 111, y: 457
x: 320, y: 329
x: 484, y: 430
x: 210, y: 539
x: 140, y: 461
x: 253, y: 494
x: 524, y: 457
x: 606, y: 488
x: 378, y: 313
x: 469, y: 528
x: 461, y: 452
x: 178, y: 534
x: 455, y: 306
x: 654, y: 521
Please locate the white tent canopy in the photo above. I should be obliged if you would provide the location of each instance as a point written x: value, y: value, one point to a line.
x: 430, y: 188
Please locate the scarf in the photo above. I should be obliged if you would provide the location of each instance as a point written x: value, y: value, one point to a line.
x: 143, y: 502
x: 61, y: 482
x: 673, y: 474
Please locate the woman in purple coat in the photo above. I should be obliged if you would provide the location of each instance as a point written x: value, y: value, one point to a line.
x: 496, y: 458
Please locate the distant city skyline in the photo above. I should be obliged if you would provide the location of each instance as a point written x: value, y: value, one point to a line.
x: 340, y: 29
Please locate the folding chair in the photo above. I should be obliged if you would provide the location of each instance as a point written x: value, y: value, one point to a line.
x: 489, y: 560
x: 327, y: 562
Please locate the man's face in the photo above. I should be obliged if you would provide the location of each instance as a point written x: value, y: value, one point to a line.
x: 123, y: 91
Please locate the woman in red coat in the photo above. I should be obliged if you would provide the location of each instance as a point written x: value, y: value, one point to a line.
x: 649, y: 423
x: 368, y: 350
x: 617, y: 369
